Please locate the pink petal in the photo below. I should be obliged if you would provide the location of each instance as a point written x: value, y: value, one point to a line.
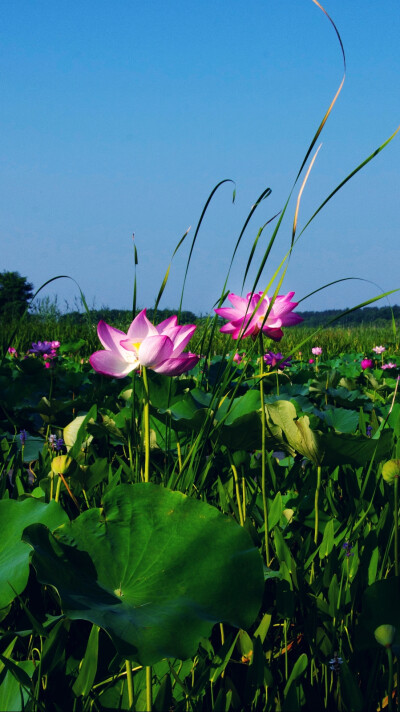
x: 110, y: 364
x: 275, y: 334
x: 110, y: 337
x: 165, y: 326
x: 141, y: 328
x: 176, y: 366
x: 180, y: 336
x: 154, y: 350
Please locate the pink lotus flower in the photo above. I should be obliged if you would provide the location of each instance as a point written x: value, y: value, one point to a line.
x: 238, y: 358
x: 366, y: 363
x: 316, y: 350
x: 389, y: 365
x: 379, y: 349
x: 156, y: 347
x: 243, y: 323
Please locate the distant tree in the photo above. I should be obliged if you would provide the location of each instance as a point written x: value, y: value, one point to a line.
x: 15, y: 294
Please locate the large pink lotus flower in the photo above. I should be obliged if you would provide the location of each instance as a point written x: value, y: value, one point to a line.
x: 156, y: 347
x: 243, y: 323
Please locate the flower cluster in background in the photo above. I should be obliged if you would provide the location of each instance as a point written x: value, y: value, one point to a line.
x: 46, y: 349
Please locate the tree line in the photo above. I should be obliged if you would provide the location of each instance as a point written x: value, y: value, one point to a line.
x: 16, y: 294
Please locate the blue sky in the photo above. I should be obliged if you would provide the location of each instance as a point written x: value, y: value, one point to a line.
x: 120, y: 118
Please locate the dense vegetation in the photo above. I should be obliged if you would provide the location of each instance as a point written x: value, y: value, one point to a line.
x: 93, y: 567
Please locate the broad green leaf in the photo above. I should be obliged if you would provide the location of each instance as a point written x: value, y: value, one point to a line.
x: 142, y: 568
x: 13, y: 694
x: 328, y: 540
x: 14, y: 553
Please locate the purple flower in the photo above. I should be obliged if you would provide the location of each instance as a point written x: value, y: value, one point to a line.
x: 335, y: 663
x: 22, y: 437
x: 156, y: 347
x: 59, y: 444
x: 369, y: 431
x: 272, y: 360
x: 347, y: 546
x: 41, y: 347
x: 247, y: 315
x: 366, y: 363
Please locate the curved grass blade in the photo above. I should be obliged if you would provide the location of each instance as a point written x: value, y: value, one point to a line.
x: 336, y: 281
x: 336, y: 318
x: 303, y: 185
x: 53, y: 279
x: 249, y: 261
x: 327, y: 113
x: 165, y: 280
x: 353, y: 173
x: 210, y: 197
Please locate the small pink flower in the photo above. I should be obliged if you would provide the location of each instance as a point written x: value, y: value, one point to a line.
x: 316, y: 350
x: 238, y: 358
x: 12, y: 351
x: 310, y: 360
x: 389, y: 365
x: 55, y: 344
x: 156, y: 347
x: 47, y: 364
x: 242, y: 322
x: 366, y: 363
x: 379, y: 349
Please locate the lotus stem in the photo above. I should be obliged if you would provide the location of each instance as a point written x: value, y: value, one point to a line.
x: 237, y: 489
x: 390, y: 677
x: 263, y: 458
x: 316, y: 504
x: 149, y: 701
x: 129, y: 679
x: 396, y: 526
x: 146, y: 418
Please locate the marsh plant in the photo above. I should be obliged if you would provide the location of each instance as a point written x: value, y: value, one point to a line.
x: 213, y: 529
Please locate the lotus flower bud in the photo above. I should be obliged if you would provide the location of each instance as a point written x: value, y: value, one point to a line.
x: 60, y: 464
x: 384, y: 635
x: 391, y: 470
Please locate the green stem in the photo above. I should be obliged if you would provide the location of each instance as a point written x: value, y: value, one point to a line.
x: 263, y: 458
x: 316, y: 498
x: 146, y: 418
x: 149, y: 701
x: 237, y: 489
x: 396, y: 526
x: 390, y: 678
x: 129, y: 679
x: 58, y: 488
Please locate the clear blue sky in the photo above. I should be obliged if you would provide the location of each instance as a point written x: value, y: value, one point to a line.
x: 120, y: 117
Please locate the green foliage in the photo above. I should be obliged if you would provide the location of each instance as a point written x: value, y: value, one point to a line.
x: 15, y: 295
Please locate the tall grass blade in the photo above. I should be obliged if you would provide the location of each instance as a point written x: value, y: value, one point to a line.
x: 165, y: 280
x: 210, y: 197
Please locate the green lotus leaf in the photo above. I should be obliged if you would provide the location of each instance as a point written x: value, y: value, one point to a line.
x: 14, y: 553
x: 154, y: 568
